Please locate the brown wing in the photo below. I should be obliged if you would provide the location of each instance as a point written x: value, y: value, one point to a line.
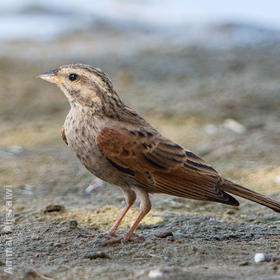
x: 63, y: 135
x: 161, y: 165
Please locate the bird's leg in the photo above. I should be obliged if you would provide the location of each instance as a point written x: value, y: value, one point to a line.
x: 130, y: 198
x: 145, y: 207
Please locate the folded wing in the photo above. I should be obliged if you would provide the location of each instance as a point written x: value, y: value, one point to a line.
x: 161, y: 165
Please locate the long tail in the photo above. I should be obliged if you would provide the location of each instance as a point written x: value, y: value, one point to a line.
x: 238, y: 190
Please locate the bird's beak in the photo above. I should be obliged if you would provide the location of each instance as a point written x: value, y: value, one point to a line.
x: 50, y: 76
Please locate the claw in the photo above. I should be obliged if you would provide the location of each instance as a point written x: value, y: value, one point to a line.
x: 109, y: 234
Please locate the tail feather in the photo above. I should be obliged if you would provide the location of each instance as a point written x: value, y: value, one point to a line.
x: 238, y: 190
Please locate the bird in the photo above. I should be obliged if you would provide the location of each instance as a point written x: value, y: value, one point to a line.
x: 118, y: 146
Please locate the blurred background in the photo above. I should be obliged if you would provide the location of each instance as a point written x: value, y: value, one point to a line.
x: 204, y: 73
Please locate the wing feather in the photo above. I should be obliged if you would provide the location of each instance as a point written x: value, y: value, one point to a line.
x: 161, y: 165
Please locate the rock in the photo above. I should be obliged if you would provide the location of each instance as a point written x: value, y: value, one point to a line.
x: 73, y: 224
x: 244, y: 263
x: 54, y: 208
x: 158, y: 272
x: 234, y: 126
x: 96, y: 255
x: 69, y: 225
x: 277, y: 179
x: 261, y: 257
x: 163, y: 234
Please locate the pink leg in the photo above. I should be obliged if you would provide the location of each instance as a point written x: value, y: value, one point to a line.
x: 145, y: 207
x: 130, y: 197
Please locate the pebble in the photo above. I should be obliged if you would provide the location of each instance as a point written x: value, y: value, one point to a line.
x: 54, y: 208
x: 244, y: 263
x: 158, y: 272
x: 73, y: 224
x: 234, y: 126
x: 277, y: 179
x: 96, y: 255
x: 163, y: 234
x: 261, y: 257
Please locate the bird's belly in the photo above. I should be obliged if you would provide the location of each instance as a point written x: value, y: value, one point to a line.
x: 83, y: 142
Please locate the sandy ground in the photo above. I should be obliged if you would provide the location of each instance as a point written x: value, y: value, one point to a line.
x: 188, y: 93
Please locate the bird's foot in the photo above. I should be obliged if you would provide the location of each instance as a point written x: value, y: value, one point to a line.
x: 109, y: 234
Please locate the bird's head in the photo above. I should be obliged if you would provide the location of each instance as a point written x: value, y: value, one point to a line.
x: 82, y: 84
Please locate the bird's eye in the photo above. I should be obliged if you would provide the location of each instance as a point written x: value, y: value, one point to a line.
x: 73, y: 77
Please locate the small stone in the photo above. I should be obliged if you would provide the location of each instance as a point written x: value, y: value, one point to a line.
x: 277, y: 179
x: 163, y: 234
x: 158, y: 272
x: 54, y: 208
x: 230, y: 212
x: 73, y: 224
x: 244, y: 263
x: 96, y: 255
x: 234, y: 126
x: 261, y: 257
